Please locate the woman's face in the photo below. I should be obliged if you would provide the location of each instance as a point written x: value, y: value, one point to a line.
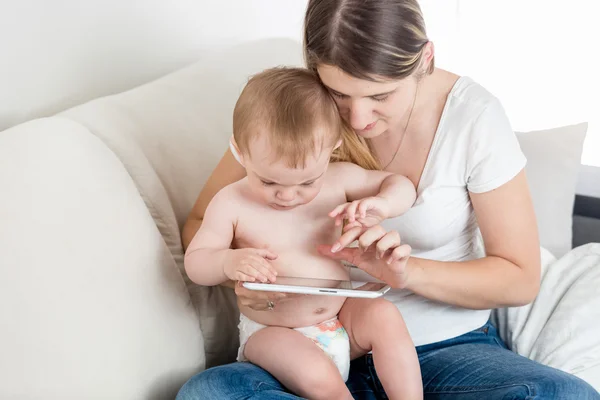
x: 371, y: 108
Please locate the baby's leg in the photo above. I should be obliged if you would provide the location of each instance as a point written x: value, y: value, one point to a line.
x: 377, y: 326
x: 296, y: 362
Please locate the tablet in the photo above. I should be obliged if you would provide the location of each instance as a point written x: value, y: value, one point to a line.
x: 323, y: 287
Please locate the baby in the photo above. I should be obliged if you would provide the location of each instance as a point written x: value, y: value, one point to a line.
x: 286, y: 126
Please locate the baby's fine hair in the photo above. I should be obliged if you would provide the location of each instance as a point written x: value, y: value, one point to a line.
x: 292, y: 109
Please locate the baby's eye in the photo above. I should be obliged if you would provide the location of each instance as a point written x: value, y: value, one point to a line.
x: 308, y: 183
x: 267, y: 183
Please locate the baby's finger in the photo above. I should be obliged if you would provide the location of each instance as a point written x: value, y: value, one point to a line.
x: 250, y: 270
x: 364, y: 206
x: 269, y: 255
x: 264, y: 268
x: 242, y: 277
x: 338, y: 210
x: 389, y: 241
x: 351, y: 210
x: 399, y: 253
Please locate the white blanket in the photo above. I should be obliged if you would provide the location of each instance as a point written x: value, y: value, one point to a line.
x: 561, y: 328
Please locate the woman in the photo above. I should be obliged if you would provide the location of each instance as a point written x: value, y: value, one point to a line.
x: 453, y: 140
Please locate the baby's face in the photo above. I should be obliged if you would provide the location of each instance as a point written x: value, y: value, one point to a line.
x: 280, y: 186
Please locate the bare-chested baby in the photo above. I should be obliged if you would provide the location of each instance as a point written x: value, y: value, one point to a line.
x: 285, y: 128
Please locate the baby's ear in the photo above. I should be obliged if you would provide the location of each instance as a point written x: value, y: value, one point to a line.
x: 338, y: 144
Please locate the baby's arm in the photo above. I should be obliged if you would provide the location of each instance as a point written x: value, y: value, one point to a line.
x: 398, y: 191
x: 209, y: 259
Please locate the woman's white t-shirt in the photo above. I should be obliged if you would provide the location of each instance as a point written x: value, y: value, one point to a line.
x: 474, y: 150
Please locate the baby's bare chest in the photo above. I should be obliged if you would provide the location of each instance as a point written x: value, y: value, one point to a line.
x: 277, y: 229
x: 293, y: 235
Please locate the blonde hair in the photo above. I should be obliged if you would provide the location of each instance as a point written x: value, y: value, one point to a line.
x: 367, y: 39
x: 298, y: 116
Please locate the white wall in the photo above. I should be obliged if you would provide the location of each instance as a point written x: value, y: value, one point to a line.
x: 537, y: 56
x: 55, y: 54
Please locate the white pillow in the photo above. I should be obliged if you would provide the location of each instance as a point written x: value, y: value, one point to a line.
x: 553, y: 161
x: 92, y: 305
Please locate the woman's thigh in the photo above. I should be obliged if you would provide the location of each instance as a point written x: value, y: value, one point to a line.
x: 244, y: 380
x: 478, y: 366
x: 241, y: 380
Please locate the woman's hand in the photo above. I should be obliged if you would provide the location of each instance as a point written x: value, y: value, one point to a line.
x: 381, y: 254
x: 366, y: 212
x: 259, y: 300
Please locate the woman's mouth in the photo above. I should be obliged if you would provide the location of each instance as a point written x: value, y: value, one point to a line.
x: 370, y: 126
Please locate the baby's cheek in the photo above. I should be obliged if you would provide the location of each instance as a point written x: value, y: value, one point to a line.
x: 311, y: 195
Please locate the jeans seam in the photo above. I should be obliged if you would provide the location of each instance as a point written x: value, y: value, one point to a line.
x: 472, y: 389
x: 269, y: 386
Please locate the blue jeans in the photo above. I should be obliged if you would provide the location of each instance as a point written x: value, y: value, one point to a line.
x: 476, y: 365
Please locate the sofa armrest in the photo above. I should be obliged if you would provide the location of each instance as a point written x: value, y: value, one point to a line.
x: 91, y: 300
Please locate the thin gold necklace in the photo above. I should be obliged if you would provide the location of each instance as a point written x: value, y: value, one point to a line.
x: 405, y: 128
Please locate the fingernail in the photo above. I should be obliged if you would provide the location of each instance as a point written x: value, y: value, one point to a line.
x: 335, y: 247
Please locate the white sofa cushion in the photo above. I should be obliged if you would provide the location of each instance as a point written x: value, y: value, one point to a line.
x: 560, y: 328
x: 91, y: 300
x: 553, y: 163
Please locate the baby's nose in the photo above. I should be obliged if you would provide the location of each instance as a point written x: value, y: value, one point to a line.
x: 286, y: 194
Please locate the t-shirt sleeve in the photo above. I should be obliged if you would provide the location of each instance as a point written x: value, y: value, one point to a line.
x: 495, y: 156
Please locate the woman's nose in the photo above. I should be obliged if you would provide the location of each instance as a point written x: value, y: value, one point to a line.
x: 359, y: 117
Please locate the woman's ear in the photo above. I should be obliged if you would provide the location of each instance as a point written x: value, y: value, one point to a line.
x: 338, y: 144
x: 428, y: 57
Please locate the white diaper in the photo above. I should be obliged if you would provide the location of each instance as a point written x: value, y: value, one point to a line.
x: 329, y: 335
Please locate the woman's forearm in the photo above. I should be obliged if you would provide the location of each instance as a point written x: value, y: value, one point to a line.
x: 488, y: 282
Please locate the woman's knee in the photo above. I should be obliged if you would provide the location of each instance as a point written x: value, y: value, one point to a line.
x: 561, y: 385
x: 227, y: 382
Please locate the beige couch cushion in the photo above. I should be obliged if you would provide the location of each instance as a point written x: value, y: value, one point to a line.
x: 92, y: 303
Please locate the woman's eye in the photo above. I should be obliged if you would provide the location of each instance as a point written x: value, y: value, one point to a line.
x: 338, y: 95
x: 380, y: 98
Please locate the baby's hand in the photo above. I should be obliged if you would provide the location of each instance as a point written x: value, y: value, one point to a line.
x: 367, y: 212
x: 250, y: 265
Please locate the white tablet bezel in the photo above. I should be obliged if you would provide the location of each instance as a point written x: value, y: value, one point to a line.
x: 319, y: 290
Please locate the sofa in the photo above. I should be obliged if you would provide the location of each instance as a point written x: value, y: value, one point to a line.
x: 94, y: 300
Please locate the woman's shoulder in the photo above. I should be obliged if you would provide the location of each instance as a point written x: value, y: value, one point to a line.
x: 469, y: 99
